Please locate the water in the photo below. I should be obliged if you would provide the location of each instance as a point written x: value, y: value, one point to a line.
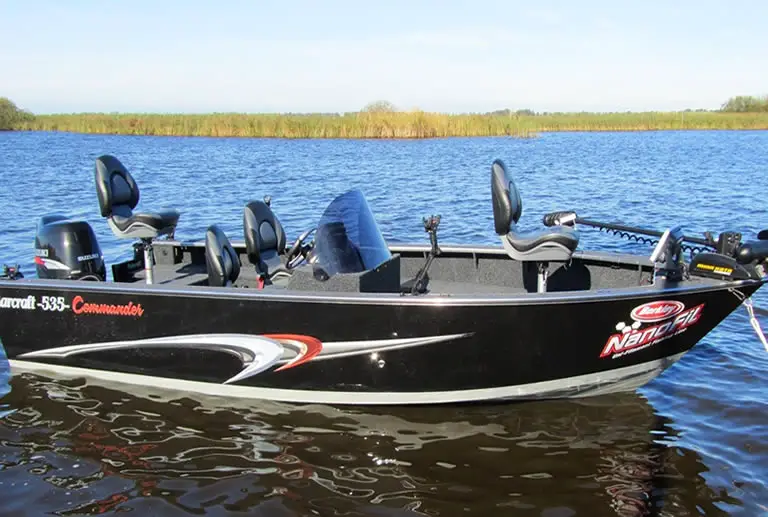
x: 693, y: 442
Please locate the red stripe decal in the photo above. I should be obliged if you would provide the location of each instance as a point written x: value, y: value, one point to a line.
x: 307, y: 347
x: 39, y: 261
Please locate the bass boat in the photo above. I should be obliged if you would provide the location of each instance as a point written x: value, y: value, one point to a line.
x: 341, y: 317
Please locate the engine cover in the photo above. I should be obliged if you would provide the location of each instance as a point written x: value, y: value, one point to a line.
x: 67, y: 249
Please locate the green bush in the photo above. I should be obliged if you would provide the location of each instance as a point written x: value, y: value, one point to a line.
x: 746, y: 104
x: 11, y: 116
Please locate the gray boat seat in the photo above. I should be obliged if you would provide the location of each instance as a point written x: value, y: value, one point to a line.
x: 118, y: 195
x: 264, y: 241
x: 221, y: 259
x: 557, y: 243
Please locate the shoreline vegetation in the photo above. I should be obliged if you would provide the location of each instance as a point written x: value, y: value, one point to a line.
x: 382, y: 120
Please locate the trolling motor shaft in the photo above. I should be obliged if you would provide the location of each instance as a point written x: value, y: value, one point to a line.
x: 725, y: 257
x: 568, y: 218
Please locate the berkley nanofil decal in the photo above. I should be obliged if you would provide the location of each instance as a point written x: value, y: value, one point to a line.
x: 657, y: 311
x: 666, y: 318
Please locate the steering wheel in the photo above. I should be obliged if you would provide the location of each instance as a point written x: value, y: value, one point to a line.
x: 298, y: 250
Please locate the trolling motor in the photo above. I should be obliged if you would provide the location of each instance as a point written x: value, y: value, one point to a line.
x: 726, y: 257
x: 431, y: 224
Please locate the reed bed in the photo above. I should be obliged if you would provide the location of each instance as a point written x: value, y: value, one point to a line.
x: 415, y: 124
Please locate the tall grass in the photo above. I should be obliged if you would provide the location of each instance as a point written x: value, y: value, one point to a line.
x: 354, y: 125
x: 415, y: 124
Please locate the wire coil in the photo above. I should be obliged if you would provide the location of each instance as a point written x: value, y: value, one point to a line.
x: 691, y: 249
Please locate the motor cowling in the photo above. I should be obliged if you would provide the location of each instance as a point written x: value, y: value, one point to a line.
x: 67, y: 249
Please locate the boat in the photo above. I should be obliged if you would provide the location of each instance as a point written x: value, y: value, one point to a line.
x: 340, y: 316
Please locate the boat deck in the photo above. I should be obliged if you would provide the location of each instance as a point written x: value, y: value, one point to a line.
x: 183, y: 275
x: 457, y: 271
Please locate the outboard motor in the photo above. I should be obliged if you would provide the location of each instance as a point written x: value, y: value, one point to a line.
x: 67, y: 249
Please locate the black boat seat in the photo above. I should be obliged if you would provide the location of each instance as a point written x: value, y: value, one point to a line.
x: 221, y: 259
x: 556, y: 243
x: 118, y: 195
x: 264, y: 240
x: 144, y: 225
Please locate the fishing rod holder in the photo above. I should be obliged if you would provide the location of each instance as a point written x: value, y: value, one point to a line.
x: 419, y: 284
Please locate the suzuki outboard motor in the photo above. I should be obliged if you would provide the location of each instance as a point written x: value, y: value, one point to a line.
x: 67, y: 249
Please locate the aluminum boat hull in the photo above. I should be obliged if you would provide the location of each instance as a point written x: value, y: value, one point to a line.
x: 352, y: 348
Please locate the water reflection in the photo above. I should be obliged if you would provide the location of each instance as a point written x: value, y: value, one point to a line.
x: 73, y: 448
x: 5, y: 378
x: 5, y: 372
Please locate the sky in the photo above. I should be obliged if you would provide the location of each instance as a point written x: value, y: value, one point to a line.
x: 335, y: 56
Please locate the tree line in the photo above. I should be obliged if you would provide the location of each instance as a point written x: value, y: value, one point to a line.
x: 11, y: 115
x: 746, y: 104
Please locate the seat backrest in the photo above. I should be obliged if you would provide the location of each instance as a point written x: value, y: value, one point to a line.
x: 507, y: 205
x: 263, y: 232
x: 116, y: 189
x: 221, y: 259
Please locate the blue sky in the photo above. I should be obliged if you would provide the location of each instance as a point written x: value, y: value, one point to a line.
x: 301, y: 55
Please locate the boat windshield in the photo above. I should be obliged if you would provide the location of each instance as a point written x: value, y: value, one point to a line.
x: 348, y: 239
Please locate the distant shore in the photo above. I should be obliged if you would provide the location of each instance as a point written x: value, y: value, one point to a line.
x: 402, y: 125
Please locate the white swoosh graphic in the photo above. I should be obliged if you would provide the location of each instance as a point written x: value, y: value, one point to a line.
x: 257, y: 353
x: 346, y: 348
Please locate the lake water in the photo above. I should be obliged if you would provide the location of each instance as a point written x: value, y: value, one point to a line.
x: 693, y: 442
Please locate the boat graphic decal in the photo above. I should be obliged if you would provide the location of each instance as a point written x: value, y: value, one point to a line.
x: 256, y: 352
x: 306, y: 347
x: 657, y: 311
x: 51, y: 264
x: 82, y: 306
x: 346, y: 348
x: 664, y: 319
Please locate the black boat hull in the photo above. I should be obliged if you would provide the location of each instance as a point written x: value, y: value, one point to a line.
x: 354, y: 349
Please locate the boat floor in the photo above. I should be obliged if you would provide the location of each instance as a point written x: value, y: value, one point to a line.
x: 180, y: 275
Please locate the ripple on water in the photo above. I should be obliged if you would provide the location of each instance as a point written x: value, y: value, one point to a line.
x: 82, y: 448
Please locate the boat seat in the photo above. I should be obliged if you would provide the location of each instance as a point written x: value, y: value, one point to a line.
x: 264, y: 240
x: 118, y: 195
x: 221, y: 259
x: 556, y: 243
